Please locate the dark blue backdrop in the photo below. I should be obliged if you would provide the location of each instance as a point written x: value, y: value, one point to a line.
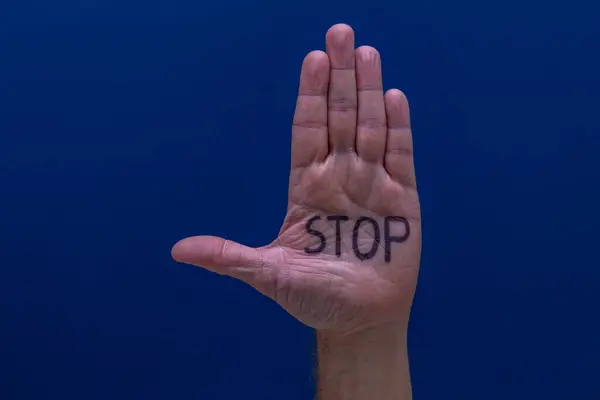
x: 127, y: 125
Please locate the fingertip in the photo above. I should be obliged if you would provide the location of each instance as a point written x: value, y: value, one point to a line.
x: 339, y: 43
x: 197, y: 249
x: 341, y: 29
x: 396, y: 95
x: 316, y: 56
x: 367, y: 53
x: 397, y: 109
x: 178, y: 251
x: 314, y: 78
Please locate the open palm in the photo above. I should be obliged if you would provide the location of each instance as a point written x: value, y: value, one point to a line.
x: 348, y: 253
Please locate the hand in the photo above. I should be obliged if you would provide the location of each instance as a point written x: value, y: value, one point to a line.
x: 347, y: 256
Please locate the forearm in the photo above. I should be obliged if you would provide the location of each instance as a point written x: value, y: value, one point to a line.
x: 366, y: 366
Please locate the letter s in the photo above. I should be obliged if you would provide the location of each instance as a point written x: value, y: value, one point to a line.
x: 316, y: 233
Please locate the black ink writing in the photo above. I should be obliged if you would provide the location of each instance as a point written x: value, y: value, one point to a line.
x: 388, y: 238
x: 316, y: 233
x: 338, y: 231
x: 360, y: 224
x: 376, y: 238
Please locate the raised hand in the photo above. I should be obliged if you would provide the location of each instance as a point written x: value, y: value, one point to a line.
x: 347, y: 256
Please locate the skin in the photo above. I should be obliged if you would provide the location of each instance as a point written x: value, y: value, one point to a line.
x: 352, y: 155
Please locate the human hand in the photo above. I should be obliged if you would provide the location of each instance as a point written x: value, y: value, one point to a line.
x: 347, y: 256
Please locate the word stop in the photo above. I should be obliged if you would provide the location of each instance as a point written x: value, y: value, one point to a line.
x: 361, y: 223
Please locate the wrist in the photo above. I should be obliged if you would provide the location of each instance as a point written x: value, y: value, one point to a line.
x: 377, y: 341
x: 370, y: 364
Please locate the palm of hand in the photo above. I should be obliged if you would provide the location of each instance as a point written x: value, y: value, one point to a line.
x: 348, y: 252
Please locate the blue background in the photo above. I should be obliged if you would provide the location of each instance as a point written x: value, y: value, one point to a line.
x: 127, y: 125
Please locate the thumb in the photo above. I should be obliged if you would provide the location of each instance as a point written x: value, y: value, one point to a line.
x: 221, y: 256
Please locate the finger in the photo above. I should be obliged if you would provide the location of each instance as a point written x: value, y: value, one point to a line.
x: 399, y: 147
x: 222, y: 256
x: 371, y: 130
x: 342, y: 100
x: 309, y: 130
